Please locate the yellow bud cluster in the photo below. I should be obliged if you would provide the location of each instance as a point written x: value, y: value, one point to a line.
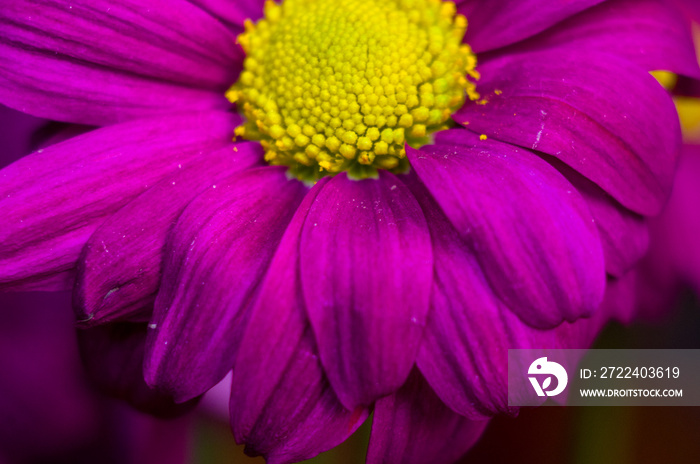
x: 342, y: 85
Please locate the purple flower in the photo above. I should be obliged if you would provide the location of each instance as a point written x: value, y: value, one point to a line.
x: 401, y: 291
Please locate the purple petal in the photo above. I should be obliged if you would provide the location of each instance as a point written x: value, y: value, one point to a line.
x: 623, y: 234
x: 99, y: 62
x: 216, y: 256
x: 413, y: 426
x: 113, y: 358
x: 303, y: 416
x: 232, y: 14
x: 282, y: 406
x: 120, y: 267
x: 530, y: 229
x: 279, y: 318
x: 366, y: 268
x: 496, y: 23
x: 465, y: 346
x: 599, y: 126
x: 53, y: 200
x: 653, y: 34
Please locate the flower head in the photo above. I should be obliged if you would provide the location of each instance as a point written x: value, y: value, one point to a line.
x: 433, y: 239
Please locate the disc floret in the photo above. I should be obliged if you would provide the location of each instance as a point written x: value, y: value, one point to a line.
x: 341, y: 85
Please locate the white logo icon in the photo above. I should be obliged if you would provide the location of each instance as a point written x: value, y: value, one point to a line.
x: 542, y: 366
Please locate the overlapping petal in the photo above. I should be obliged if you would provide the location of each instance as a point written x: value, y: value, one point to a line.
x: 113, y: 358
x: 497, y: 23
x: 530, y: 230
x: 470, y: 329
x: 598, y: 125
x: 279, y: 385
x: 650, y: 33
x: 366, y: 267
x: 120, y: 267
x: 215, y: 258
x: 413, y: 426
x: 623, y: 233
x: 100, y: 62
x: 303, y: 416
x: 232, y: 14
x: 53, y: 200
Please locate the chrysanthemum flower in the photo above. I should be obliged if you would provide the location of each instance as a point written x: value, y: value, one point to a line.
x: 406, y: 197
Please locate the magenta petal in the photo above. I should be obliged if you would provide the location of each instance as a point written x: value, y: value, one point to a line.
x: 464, y: 355
x: 53, y: 200
x: 548, y: 101
x: 530, y: 229
x: 113, y: 359
x: 231, y: 13
x: 653, y: 34
x: 623, y: 234
x: 413, y: 426
x: 303, y: 416
x: 98, y: 62
x: 216, y: 256
x: 366, y: 267
x: 495, y: 23
x: 120, y: 266
x: 282, y: 406
x: 279, y: 318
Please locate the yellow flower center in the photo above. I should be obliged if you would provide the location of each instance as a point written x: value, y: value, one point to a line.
x: 341, y: 85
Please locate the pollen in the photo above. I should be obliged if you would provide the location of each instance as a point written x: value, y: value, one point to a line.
x: 342, y: 85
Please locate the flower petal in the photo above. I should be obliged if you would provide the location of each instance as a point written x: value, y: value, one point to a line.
x: 99, y: 62
x: 53, y: 200
x: 413, y: 426
x: 303, y: 416
x: 216, y: 256
x: 623, y: 234
x: 464, y: 355
x: 601, y: 127
x: 496, y: 23
x: 232, y: 14
x: 279, y: 318
x: 282, y: 405
x: 530, y: 230
x: 653, y: 34
x: 366, y: 268
x: 113, y: 358
x: 120, y: 267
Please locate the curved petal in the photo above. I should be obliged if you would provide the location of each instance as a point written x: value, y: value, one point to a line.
x: 99, y: 62
x: 282, y: 405
x: 413, y: 426
x: 232, y: 14
x: 530, y: 230
x: 652, y: 34
x: 303, y: 416
x: 600, y: 126
x: 120, y: 266
x: 53, y: 200
x: 464, y: 354
x: 113, y: 359
x: 279, y: 318
x: 216, y: 255
x: 366, y: 268
x: 623, y: 234
x: 497, y: 23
